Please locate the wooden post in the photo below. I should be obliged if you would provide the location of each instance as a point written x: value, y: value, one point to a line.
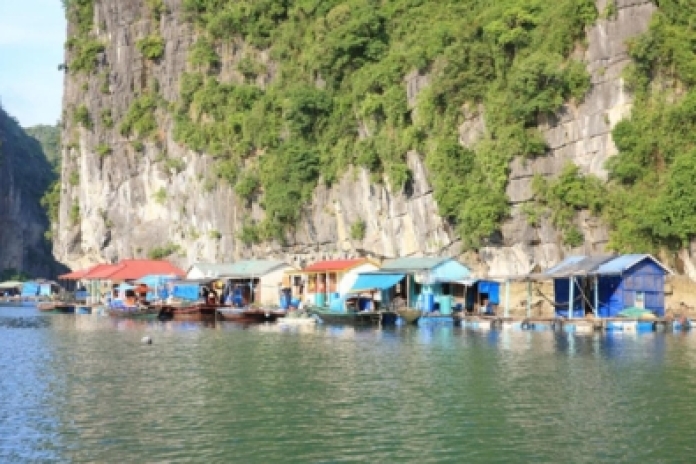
x: 571, y: 297
x: 596, y: 296
x: 529, y: 298
x: 507, y: 298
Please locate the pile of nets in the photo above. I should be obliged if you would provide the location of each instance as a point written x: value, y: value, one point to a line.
x: 636, y: 313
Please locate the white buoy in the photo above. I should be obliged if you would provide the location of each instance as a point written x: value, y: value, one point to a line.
x: 147, y: 340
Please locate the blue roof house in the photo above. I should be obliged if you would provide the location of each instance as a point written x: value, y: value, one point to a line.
x: 424, y: 278
x: 606, y: 285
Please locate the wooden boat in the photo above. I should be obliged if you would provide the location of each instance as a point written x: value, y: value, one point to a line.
x: 134, y: 312
x: 354, y: 317
x: 46, y: 306
x: 250, y: 315
x: 409, y: 315
x: 195, y: 312
x: 64, y: 308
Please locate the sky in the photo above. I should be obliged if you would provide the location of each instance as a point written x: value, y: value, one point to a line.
x: 32, y: 33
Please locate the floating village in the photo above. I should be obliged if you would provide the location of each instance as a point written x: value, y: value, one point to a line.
x: 580, y: 294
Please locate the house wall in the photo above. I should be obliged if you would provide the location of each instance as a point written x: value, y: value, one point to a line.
x: 649, y: 278
x: 270, y: 284
x: 195, y: 273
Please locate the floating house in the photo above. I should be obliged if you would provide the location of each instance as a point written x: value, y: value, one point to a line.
x: 256, y: 281
x: 100, y: 279
x: 479, y: 296
x: 426, y: 282
x: 320, y: 282
x: 606, y: 285
x: 10, y: 288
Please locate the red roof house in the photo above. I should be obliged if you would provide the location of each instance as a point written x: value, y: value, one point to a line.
x: 133, y: 269
x: 128, y: 269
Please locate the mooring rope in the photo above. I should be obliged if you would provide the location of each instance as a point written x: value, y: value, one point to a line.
x: 555, y: 304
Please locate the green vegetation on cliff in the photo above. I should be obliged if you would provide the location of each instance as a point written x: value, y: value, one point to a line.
x: 338, y: 96
x: 652, y: 204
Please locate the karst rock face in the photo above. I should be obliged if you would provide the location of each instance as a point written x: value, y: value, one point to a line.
x: 25, y: 174
x: 130, y: 201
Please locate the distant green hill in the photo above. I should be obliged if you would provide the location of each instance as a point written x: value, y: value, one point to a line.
x: 49, y: 138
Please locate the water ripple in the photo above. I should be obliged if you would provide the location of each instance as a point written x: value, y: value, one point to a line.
x: 84, y: 389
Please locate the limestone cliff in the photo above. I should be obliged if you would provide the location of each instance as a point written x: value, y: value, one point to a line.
x: 123, y: 197
x: 25, y: 174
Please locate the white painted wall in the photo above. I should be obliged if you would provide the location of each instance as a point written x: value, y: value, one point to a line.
x: 195, y: 273
x: 270, y: 285
x: 351, y: 276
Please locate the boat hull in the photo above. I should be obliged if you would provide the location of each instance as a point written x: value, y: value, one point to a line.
x: 251, y: 316
x: 189, y: 313
x: 409, y: 315
x: 355, y: 318
x: 134, y: 313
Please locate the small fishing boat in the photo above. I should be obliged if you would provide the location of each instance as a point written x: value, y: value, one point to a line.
x: 354, y: 317
x: 409, y: 315
x: 64, y: 308
x: 250, y: 315
x: 194, y: 312
x: 46, y: 306
x: 134, y: 312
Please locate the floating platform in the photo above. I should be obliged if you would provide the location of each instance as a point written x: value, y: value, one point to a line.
x: 587, y: 325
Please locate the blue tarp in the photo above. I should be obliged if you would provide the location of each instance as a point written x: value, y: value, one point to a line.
x: 157, y: 284
x: 30, y: 289
x: 376, y: 281
x: 155, y: 280
x: 186, y: 291
x: 492, y: 289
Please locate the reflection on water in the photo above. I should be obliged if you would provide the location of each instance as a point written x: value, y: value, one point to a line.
x: 85, y: 389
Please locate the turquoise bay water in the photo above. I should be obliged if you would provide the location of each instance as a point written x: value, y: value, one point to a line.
x: 85, y: 389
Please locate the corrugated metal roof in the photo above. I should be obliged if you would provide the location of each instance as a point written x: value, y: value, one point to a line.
x: 253, y: 268
x: 622, y: 263
x: 413, y: 263
x: 335, y: 265
x: 213, y: 269
x: 577, y: 265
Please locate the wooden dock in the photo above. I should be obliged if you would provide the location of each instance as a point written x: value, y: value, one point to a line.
x: 589, y: 325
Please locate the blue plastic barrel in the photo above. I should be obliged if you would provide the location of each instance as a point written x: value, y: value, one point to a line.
x: 284, y: 301
x: 320, y: 299
x: 428, y: 302
x: 445, y: 304
x: 295, y: 302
